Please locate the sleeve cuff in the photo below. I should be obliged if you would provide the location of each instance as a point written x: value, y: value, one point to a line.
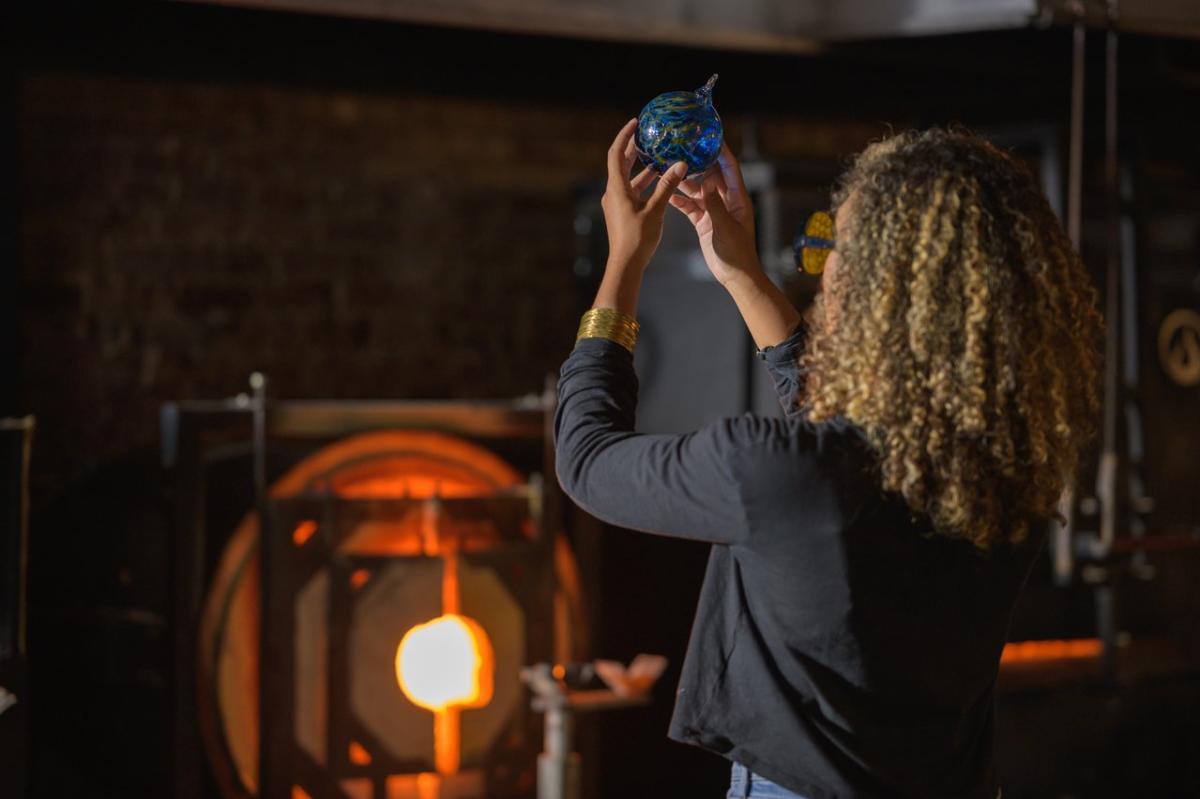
x: 785, y: 351
x: 604, y: 347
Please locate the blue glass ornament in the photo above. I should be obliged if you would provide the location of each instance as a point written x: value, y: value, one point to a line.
x: 680, y: 126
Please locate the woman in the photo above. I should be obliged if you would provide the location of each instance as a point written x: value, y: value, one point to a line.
x: 868, y: 547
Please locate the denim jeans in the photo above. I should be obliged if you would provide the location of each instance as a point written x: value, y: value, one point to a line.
x: 744, y: 784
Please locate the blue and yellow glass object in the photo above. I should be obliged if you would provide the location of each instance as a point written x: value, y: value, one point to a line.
x: 680, y: 126
x: 813, y: 243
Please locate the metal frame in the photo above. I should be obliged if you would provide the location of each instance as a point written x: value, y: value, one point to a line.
x: 192, y: 431
x: 14, y: 556
x: 290, y: 569
x: 13, y: 595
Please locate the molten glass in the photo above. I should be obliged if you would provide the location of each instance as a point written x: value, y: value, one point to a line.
x: 446, y: 663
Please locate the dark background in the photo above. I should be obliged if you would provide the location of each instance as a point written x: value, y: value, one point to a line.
x: 377, y: 210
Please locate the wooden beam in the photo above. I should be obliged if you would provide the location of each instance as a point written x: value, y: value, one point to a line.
x: 755, y: 31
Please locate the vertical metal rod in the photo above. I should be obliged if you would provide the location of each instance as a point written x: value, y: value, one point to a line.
x: 267, y: 780
x: 1062, y: 545
x: 258, y: 384
x: 1110, y: 457
x: 1062, y: 535
x: 1105, y: 597
x: 1106, y: 600
x: 1075, y: 168
x: 29, y: 425
x: 558, y: 766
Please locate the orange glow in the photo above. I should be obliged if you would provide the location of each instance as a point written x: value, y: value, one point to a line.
x: 415, y: 465
x: 450, y: 583
x: 425, y: 785
x: 431, y: 532
x: 304, y: 531
x: 401, y: 486
x: 359, y: 756
x: 1037, y: 651
x: 359, y: 578
x: 428, y: 785
x: 446, y: 663
x: 447, y: 740
x: 299, y: 793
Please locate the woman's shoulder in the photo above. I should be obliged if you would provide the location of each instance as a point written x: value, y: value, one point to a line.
x: 757, y: 429
x: 773, y: 442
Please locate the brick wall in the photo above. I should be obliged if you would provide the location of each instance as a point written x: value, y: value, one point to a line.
x: 178, y: 235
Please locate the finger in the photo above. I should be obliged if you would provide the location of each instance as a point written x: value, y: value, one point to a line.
x: 690, y: 188
x: 714, y: 184
x: 715, y: 206
x: 618, y: 174
x: 631, y: 151
x: 731, y: 170
x: 688, y: 207
x: 642, y: 181
x: 667, y: 184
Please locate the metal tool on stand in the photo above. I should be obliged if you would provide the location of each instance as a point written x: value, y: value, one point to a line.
x: 554, y: 695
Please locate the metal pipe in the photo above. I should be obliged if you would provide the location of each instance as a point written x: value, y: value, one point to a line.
x: 1075, y: 168
x: 13, y: 636
x: 558, y: 766
x: 269, y: 787
x: 1105, y: 597
x: 1106, y: 478
x: 258, y: 384
x: 1062, y: 534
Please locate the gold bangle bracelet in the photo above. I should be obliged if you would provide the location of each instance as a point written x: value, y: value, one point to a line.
x: 611, y: 324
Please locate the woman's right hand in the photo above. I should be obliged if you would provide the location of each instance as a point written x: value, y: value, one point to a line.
x: 720, y: 211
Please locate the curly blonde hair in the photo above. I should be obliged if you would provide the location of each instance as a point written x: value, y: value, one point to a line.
x: 966, y: 340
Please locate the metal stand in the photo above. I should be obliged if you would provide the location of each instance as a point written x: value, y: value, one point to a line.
x: 558, y: 766
x: 1108, y: 502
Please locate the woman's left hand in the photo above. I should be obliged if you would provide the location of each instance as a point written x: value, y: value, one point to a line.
x: 634, y: 224
x: 720, y: 211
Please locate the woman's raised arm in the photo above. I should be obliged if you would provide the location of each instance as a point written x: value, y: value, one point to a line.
x: 723, y: 216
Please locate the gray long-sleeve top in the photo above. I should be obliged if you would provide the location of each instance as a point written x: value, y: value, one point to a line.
x: 840, y: 648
